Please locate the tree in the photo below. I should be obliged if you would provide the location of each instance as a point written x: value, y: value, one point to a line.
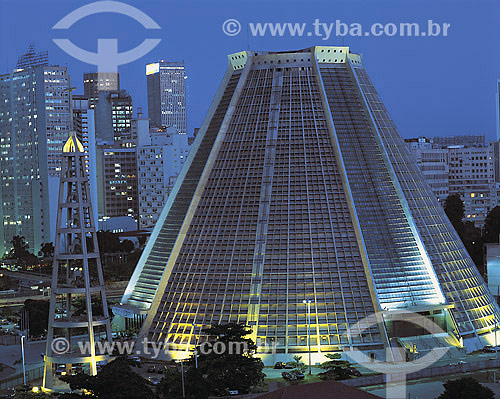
x: 467, y: 231
x: 80, y: 306
x: 47, y: 250
x: 299, y: 367
x: 225, y: 361
x: 465, y: 388
x: 127, y: 246
x: 116, y: 380
x: 336, y: 369
x: 473, y: 242
x: 6, y: 283
x: 195, y: 385
x: 235, y: 367
x: 492, y: 225
x: 454, y: 208
x: 108, y: 241
x: 38, y: 316
x: 19, y: 247
x: 20, y: 250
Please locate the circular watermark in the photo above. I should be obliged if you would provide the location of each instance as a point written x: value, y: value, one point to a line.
x: 396, y: 363
x: 60, y: 346
x: 231, y: 27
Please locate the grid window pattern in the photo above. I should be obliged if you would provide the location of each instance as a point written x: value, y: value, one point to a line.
x: 272, y: 228
x: 459, y: 278
x: 402, y: 278
x: 145, y: 288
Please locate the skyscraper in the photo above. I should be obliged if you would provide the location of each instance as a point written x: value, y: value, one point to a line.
x: 94, y: 82
x: 34, y: 120
x: 167, y: 95
x: 32, y: 58
x: 117, y: 182
x: 114, y: 111
x: 84, y: 128
x: 159, y: 162
x: 298, y: 188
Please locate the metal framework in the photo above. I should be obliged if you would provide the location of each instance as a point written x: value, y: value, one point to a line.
x: 300, y: 188
x: 78, y: 306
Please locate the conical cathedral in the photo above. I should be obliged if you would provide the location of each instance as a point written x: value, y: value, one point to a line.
x: 300, y: 188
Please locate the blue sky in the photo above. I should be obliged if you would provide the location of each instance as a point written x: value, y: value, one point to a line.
x: 431, y: 85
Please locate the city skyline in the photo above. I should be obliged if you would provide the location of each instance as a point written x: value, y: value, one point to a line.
x: 428, y: 68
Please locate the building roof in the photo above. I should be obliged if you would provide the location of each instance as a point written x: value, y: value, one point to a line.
x: 319, y: 390
x: 73, y: 145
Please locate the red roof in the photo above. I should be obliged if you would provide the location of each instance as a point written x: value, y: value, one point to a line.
x: 319, y: 390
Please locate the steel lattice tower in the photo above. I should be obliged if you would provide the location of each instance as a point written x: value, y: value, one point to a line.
x: 77, y: 273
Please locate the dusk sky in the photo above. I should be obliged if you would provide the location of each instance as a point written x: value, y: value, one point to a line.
x: 431, y: 85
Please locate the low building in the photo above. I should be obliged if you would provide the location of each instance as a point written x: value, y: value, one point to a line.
x: 433, y: 162
x: 470, y: 171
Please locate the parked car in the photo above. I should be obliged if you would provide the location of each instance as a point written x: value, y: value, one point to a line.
x: 489, y: 349
x: 154, y: 380
x: 355, y: 372
x: 279, y: 365
x: 152, y: 369
x: 135, y: 361
x: 232, y: 392
x: 456, y: 363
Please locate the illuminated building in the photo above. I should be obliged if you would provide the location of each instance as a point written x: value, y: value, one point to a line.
x: 433, y: 162
x: 116, y: 181
x: 35, y: 120
x: 474, y: 176
x: 167, y: 95
x: 160, y: 158
x: 299, y: 187
x: 113, y: 113
x: 470, y: 170
x: 94, y: 83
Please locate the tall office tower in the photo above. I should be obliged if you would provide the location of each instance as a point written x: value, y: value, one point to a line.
x: 434, y: 163
x: 299, y: 188
x: 117, y: 182
x: 80, y: 109
x: 32, y: 58
x: 77, y: 274
x: 167, y: 95
x: 159, y: 162
x: 84, y: 128
x: 94, y: 83
x: 114, y: 116
x: 34, y: 120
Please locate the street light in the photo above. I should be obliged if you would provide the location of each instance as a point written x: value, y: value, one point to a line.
x: 308, y: 303
x: 195, y: 346
x: 22, y: 352
x: 182, y: 380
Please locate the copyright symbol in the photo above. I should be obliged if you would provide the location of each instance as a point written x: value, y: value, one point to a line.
x: 231, y: 27
x: 60, y: 346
